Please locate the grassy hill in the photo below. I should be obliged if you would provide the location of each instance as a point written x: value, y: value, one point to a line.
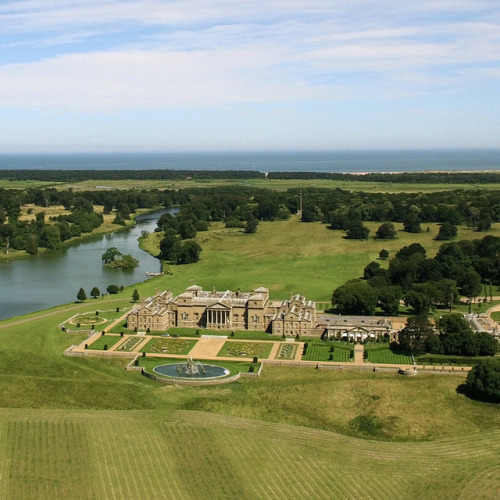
x: 86, y: 428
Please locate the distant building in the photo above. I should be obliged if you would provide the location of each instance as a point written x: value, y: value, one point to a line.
x: 225, y: 311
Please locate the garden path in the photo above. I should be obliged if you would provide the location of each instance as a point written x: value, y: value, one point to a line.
x: 359, y: 352
x: 207, y: 348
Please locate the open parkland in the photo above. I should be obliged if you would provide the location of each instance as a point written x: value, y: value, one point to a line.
x: 301, y: 426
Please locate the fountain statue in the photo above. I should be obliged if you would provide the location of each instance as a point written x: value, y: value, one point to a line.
x: 191, y: 368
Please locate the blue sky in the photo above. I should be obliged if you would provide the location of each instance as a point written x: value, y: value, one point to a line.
x: 227, y: 75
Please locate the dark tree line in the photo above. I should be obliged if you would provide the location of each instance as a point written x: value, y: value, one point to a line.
x: 469, y: 178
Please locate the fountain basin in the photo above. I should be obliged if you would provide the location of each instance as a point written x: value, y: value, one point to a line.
x: 172, y: 370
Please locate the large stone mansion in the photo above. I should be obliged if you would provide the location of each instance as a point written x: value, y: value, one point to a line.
x: 228, y: 311
x: 197, y: 308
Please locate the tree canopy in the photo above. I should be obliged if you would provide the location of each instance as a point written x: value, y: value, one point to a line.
x: 483, y: 380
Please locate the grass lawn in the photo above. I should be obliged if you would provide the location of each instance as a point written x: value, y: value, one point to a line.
x: 104, y: 340
x: 246, y: 349
x: 86, y: 415
x: 318, y: 350
x: 380, y: 353
x: 495, y: 316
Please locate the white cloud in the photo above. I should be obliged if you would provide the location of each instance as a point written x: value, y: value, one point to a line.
x: 112, y: 56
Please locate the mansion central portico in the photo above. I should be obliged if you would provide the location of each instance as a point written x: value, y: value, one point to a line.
x: 218, y: 317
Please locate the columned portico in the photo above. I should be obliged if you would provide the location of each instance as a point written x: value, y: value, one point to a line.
x: 218, y: 317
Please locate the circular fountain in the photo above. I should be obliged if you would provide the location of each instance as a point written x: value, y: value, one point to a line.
x: 191, y: 369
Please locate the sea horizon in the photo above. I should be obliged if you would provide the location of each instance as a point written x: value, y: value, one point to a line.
x: 338, y: 161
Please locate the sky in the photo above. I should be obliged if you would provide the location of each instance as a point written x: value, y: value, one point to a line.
x: 240, y: 75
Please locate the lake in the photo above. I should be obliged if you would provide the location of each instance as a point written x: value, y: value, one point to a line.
x: 54, y: 278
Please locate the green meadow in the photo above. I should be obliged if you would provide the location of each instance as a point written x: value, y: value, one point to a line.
x: 314, y: 259
x: 85, y: 428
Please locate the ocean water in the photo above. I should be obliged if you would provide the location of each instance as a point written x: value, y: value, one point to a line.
x: 286, y: 161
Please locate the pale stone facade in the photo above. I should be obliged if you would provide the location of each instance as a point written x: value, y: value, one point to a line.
x: 228, y: 311
x: 357, y: 328
x: 225, y: 311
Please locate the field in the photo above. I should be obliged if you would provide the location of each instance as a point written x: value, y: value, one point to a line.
x: 274, y: 184
x: 189, y: 455
x: 312, y: 257
x: 86, y: 428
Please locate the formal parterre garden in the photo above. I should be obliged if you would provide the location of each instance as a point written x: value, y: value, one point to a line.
x: 169, y: 346
x: 318, y: 350
x: 246, y: 349
x: 129, y: 344
x: 287, y: 351
x: 96, y: 319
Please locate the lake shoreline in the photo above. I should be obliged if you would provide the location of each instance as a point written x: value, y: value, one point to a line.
x: 22, y: 254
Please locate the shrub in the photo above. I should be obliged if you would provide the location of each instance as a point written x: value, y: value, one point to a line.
x: 136, y: 362
x: 251, y: 369
x: 117, y: 309
x: 97, y: 313
x: 121, y: 334
x: 330, y: 357
x: 255, y: 359
x: 483, y: 380
x: 78, y: 325
x: 103, y: 333
x: 113, y: 289
x: 144, y: 354
x: 331, y: 348
x: 105, y: 348
x: 232, y: 334
x: 148, y: 330
x: 86, y: 346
